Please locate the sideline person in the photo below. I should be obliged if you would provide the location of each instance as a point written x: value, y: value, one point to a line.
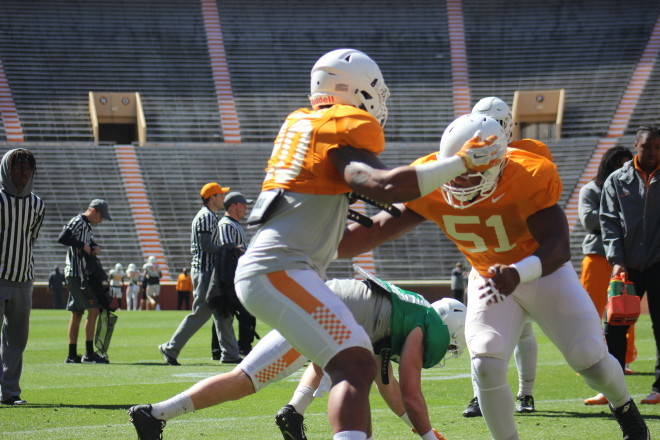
x: 204, y: 247
x: 26, y: 209
x: 596, y: 270
x: 629, y: 219
x: 77, y: 235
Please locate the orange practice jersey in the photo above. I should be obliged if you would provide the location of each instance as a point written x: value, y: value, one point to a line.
x: 184, y: 283
x: 495, y: 229
x: 299, y: 161
x: 532, y: 146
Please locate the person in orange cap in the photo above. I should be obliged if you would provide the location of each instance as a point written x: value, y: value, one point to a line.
x: 205, y: 245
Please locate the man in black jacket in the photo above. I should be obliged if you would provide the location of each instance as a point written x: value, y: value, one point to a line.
x: 234, y: 241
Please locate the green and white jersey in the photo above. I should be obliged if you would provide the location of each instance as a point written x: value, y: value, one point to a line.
x: 411, y: 310
x: 384, y: 309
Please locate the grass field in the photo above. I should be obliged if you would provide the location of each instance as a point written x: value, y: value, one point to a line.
x: 87, y: 401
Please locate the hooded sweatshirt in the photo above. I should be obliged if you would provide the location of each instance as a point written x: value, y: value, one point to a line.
x: 21, y: 216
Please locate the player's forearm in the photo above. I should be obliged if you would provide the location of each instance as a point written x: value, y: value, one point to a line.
x: 387, y: 186
x: 391, y: 392
x: 358, y: 239
x: 404, y: 183
x: 418, y: 413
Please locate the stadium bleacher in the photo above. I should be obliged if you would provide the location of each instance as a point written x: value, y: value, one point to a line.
x: 55, y: 51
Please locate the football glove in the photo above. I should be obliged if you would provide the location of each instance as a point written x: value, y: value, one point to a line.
x: 490, y: 294
x: 480, y: 155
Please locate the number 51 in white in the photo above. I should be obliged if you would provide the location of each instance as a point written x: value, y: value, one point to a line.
x: 494, y: 221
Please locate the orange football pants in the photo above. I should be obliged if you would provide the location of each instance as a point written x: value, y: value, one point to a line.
x: 595, y: 278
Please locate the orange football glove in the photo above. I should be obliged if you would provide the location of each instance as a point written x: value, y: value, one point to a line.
x: 480, y: 155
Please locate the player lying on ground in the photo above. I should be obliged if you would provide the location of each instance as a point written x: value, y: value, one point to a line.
x: 416, y: 333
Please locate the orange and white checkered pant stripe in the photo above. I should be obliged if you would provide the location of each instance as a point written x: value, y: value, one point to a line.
x: 277, y: 367
x: 317, y: 310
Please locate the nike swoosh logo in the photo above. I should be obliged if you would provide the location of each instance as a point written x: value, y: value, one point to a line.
x: 495, y: 199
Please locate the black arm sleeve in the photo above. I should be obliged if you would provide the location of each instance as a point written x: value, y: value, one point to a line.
x: 207, y: 245
x: 67, y: 239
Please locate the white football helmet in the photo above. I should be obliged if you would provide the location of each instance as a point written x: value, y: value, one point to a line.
x: 132, y: 267
x: 151, y: 260
x: 457, y: 133
x: 348, y: 76
x: 453, y: 314
x: 118, y: 267
x: 498, y: 110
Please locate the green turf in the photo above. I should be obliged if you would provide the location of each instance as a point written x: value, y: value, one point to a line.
x: 72, y: 401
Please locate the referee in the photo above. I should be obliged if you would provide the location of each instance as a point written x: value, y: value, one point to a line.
x: 231, y: 232
x: 21, y: 216
x: 204, y: 247
x: 78, y: 237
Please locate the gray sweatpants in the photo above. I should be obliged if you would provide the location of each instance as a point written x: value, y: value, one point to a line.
x: 15, y: 307
x: 201, y: 313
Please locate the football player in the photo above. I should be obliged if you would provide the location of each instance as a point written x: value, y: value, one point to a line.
x: 400, y: 323
x: 508, y: 224
x: 117, y: 278
x: 132, y: 291
x: 526, y: 351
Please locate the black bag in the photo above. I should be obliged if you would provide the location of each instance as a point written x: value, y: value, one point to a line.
x: 221, y: 296
x: 96, y: 279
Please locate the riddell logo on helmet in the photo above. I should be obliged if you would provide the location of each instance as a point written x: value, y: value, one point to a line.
x: 322, y: 100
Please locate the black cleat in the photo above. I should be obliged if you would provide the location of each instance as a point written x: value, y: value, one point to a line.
x: 630, y: 421
x: 525, y: 404
x: 473, y: 409
x: 169, y: 359
x: 73, y: 359
x: 14, y: 400
x: 147, y: 426
x: 93, y: 358
x: 291, y: 423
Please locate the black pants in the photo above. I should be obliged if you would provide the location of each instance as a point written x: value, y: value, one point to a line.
x: 646, y: 282
x: 246, y: 334
x: 458, y: 294
x: 182, y: 296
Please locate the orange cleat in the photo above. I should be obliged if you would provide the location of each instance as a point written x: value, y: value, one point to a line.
x: 598, y: 399
x: 651, y: 399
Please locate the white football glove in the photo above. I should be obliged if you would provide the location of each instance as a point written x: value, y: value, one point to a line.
x: 490, y: 294
x: 480, y: 155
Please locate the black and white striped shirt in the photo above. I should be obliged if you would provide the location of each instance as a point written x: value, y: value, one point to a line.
x: 204, y: 222
x: 81, y: 230
x: 231, y: 231
x: 20, y: 223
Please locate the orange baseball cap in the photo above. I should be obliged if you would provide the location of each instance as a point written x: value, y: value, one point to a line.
x: 212, y: 188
